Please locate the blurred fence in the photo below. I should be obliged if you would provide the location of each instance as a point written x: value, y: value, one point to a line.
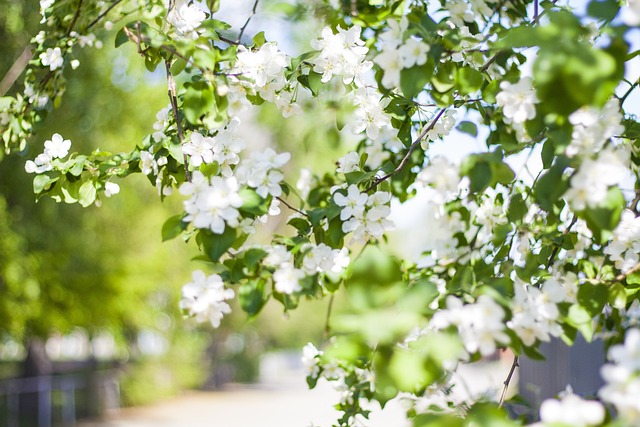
x: 57, y: 400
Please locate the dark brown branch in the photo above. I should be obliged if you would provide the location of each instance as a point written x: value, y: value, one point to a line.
x: 75, y: 18
x: 16, y: 70
x: 244, y: 27
x: 412, y: 148
x: 284, y: 202
x: 556, y: 247
x: 507, y: 381
x: 173, y: 99
x: 103, y: 14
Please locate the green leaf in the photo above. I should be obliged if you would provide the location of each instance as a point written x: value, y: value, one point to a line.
x: 198, y: 100
x: 414, y: 79
x: 593, y: 298
x: 215, y: 245
x: 468, y: 80
x: 253, y: 256
x: 41, y: 182
x: 551, y: 185
x: 87, y: 194
x: 121, y: 38
x: 172, y: 227
x: 259, y: 40
x: 252, y: 202
x: 253, y: 296
x: 467, y: 127
x: 604, y: 218
x: 606, y: 10
x: 205, y: 58
x: 411, y: 371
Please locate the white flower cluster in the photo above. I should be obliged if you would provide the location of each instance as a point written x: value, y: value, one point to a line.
x: 535, y: 311
x: 52, y: 58
x: 333, y: 373
x: 592, y: 128
x: 399, y: 53
x: 262, y: 172
x: 624, y: 248
x: 571, y: 410
x: 622, y: 378
x: 322, y: 259
x: 162, y: 121
x: 55, y: 148
x: 630, y: 13
x: 442, y: 176
x: 317, y: 259
x: 265, y: 69
x: 213, y: 202
x: 365, y: 215
x: 518, y: 101
x: 370, y: 116
x: 440, y: 129
x: 341, y: 54
x: 223, y: 148
x: 590, y: 184
x: 186, y: 16
x: 204, y: 297
x: 480, y: 325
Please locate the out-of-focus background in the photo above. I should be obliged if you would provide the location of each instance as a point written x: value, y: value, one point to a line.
x: 90, y: 330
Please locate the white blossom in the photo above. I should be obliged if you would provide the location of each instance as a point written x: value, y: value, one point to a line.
x: 57, y: 147
x: 199, y: 148
x: 350, y: 162
x: 517, y: 100
x: 111, y: 188
x: 624, y: 248
x: 287, y: 279
x: 631, y: 13
x: 622, y: 378
x: 572, y: 410
x: 52, y: 58
x: 592, y: 128
x: 213, y: 204
x: 204, y: 297
x: 186, y: 16
x: 353, y: 204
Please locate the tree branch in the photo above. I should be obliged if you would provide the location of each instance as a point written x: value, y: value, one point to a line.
x: 173, y: 99
x: 284, y: 202
x: 75, y: 18
x: 412, y: 148
x: 103, y: 14
x: 15, y: 71
x: 507, y: 381
x: 244, y: 27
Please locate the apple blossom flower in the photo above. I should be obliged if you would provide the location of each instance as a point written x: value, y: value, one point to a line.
x: 204, y: 297
x: 52, y: 58
x: 517, y: 101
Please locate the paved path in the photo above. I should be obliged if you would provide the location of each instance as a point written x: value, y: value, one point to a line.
x: 287, y: 403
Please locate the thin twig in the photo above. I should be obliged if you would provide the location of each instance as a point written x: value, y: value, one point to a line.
x: 412, y: 148
x: 173, y: 99
x: 244, y: 27
x: 534, y: 21
x: 284, y: 202
x: 620, y: 277
x: 634, y: 203
x: 556, y: 247
x: 16, y: 70
x: 75, y: 18
x: 103, y: 14
x: 327, y: 329
x: 506, y: 382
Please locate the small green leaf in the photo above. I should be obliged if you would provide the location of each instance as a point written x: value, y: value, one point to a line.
x: 469, y: 128
x: 215, y: 245
x: 198, y: 100
x: 87, y: 194
x: 253, y: 296
x: 468, y: 80
x: 172, y: 227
